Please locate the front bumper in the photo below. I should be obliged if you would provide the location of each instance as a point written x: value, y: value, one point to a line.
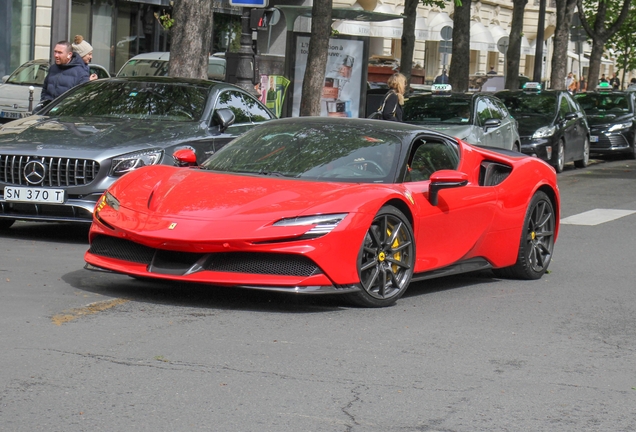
x: 74, y: 209
x: 604, y: 142
x: 542, y: 148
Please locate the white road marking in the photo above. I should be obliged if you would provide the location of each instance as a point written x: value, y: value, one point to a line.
x: 596, y: 216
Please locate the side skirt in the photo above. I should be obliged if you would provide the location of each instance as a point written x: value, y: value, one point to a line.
x: 470, y: 265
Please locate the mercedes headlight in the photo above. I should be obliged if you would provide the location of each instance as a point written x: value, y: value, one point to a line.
x: 619, y: 126
x: 131, y: 161
x: 544, y: 132
x: 320, y: 224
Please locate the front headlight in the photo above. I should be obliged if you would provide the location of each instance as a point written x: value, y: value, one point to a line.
x: 544, y: 132
x: 131, y: 161
x: 619, y: 126
x: 108, y: 199
x: 322, y: 224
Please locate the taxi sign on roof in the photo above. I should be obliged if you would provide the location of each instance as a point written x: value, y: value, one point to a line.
x: 441, y: 89
x: 532, y: 86
x: 604, y: 86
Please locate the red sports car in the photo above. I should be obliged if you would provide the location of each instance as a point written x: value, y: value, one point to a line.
x: 331, y: 205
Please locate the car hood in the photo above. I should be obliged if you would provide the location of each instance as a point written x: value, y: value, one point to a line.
x: 38, y: 134
x: 607, y: 119
x: 528, y: 124
x: 11, y: 94
x: 211, y: 206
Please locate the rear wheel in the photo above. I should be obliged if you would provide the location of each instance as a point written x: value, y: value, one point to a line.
x: 582, y: 163
x: 385, y: 260
x: 559, y: 157
x: 537, y: 241
x: 6, y: 223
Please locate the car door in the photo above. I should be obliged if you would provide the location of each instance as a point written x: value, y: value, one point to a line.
x: 492, y: 135
x: 447, y: 232
x: 580, y: 131
x: 573, y: 143
x: 508, y: 124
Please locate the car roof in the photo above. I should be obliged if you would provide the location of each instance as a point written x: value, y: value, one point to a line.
x: 165, y: 55
x: 175, y: 80
x: 525, y: 92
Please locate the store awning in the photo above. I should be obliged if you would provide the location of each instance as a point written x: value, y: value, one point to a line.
x: 526, y: 48
x: 497, y: 32
x: 293, y: 12
x: 574, y: 56
x: 480, y: 38
x: 436, y: 22
x: 421, y: 29
x: 352, y: 27
x: 390, y: 29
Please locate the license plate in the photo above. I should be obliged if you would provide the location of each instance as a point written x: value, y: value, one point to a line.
x: 33, y: 195
x: 11, y: 115
x: 593, y: 138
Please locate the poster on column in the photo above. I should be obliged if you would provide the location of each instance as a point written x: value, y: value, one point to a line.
x: 346, y: 66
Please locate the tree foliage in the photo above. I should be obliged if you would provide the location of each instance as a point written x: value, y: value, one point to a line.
x: 623, y: 42
x: 601, y: 19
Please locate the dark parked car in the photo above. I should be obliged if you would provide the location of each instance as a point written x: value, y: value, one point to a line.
x: 478, y: 119
x: 612, y: 121
x: 552, y: 125
x: 14, y: 90
x: 56, y: 164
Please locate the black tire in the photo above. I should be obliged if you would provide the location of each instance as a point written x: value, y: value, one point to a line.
x: 559, y: 157
x: 6, y: 223
x: 385, y: 260
x: 537, y: 241
x: 582, y: 163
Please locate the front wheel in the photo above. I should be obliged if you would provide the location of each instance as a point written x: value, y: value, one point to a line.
x: 386, y: 260
x: 582, y: 163
x: 537, y: 241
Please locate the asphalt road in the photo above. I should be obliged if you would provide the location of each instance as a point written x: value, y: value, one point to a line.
x: 85, y: 351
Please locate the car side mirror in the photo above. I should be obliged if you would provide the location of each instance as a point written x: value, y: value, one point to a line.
x: 491, y: 123
x: 185, y: 157
x: 571, y: 116
x: 445, y: 179
x: 224, y: 118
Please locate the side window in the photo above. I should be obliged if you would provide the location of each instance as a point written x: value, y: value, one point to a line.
x: 101, y: 73
x: 494, y: 110
x: 502, y: 108
x: 564, y: 107
x: 233, y: 100
x: 429, y: 157
x: 483, y: 111
x: 257, y: 112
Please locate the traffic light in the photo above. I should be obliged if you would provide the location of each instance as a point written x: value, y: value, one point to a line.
x: 261, y: 18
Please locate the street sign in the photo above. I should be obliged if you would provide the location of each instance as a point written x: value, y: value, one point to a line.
x: 446, y: 33
x: 502, y: 44
x: 250, y: 3
x: 446, y: 47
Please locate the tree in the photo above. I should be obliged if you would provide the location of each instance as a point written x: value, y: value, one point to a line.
x: 191, y: 35
x: 624, y: 44
x: 408, y: 32
x: 564, y: 12
x: 514, y: 46
x: 317, y: 55
x: 600, y: 31
x: 460, y: 62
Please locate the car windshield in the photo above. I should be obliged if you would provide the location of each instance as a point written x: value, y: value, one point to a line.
x: 437, y: 109
x: 29, y: 74
x: 144, y: 67
x: 316, y: 151
x: 133, y: 99
x: 602, y: 103
x: 544, y: 104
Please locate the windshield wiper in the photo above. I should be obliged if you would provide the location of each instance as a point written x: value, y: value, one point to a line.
x: 271, y: 173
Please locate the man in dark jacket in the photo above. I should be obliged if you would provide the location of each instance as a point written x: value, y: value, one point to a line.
x: 68, y: 71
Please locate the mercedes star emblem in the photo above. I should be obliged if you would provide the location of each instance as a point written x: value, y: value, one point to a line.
x: 34, y: 172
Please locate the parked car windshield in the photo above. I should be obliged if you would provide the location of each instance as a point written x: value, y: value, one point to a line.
x: 595, y: 103
x: 317, y: 151
x: 544, y: 104
x: 438, y: 109
x: 29, y: 74
x: 133, y: 99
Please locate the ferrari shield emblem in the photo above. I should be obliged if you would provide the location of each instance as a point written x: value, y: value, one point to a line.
x: 172, y: 226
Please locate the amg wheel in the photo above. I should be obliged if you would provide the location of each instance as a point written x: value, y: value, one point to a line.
x: 386, y: 259
x: 559, y: 157
x: 582, y: 163
x: 6, y: 223
x: 537, y: 241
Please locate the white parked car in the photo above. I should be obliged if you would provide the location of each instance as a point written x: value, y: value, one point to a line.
x: 156, y: 64
x: 14, y: 90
